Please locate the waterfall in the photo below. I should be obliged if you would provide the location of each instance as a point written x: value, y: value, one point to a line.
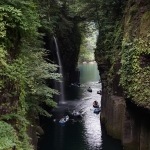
x: 59, y: 85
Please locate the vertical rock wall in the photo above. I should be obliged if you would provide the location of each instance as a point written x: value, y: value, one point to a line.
x: 112, y: 115
x: 125, y: 121
x: 123, y: 118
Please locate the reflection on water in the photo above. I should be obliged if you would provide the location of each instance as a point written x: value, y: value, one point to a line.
x: 83, y: 133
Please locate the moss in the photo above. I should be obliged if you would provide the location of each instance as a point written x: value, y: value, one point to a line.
x: 134, y: 47
x: 134, y: 10
x: 133, y: 76
x: 145, y: 24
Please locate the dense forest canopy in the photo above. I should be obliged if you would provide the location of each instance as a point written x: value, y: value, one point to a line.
x: 25, y: 67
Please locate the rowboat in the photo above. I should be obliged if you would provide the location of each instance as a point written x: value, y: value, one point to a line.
x: 99, y: 92
x: 96, y: 110
x: 76, y: 114
x: 89, y: 89
x: 75, y: 84
x: 64, y: 120
x: 95, y: 104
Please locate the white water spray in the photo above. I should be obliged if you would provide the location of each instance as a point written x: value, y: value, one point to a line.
x: 60, y: 85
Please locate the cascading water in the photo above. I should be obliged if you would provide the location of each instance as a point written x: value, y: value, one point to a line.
x: 59, y: 85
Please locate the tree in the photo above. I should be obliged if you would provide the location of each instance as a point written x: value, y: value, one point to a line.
x: 23, y: 72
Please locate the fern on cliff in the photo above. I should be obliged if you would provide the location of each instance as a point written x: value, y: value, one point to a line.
x: 8, y: 136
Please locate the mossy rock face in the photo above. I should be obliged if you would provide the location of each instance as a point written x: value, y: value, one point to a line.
x: 137, y: 19
x: 134, y: 71
x: 145, y: 25
x: 39, y: 130
x: 136, y: 52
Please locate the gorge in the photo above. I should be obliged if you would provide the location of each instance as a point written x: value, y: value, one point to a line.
x: 28, y: 65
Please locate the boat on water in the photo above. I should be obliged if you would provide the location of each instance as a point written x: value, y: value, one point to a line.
x: 99, y: 92
x: 64, y: 120
x: 95, y: 104
x: 76, y: 113
x: 89, y: 89
x: 75, y: 84
x: 97, y: 110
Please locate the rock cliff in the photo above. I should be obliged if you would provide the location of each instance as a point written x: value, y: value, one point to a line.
x: 125, y: 77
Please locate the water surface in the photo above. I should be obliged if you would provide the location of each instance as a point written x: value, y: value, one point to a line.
x: 84, y: 133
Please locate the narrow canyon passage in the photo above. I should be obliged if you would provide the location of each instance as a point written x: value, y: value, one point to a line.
x: 84, y: 133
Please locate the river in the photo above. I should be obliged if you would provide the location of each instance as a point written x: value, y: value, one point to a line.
x: 84, y: 133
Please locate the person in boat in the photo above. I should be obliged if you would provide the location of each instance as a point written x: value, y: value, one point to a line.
x: 89, y: 89
x: 64, y: 118
x: 78, y: 84
x: 95, y: 102
x: 100, y: 92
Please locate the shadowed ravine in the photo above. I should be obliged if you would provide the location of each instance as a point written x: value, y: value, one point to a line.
x: 79, y: 134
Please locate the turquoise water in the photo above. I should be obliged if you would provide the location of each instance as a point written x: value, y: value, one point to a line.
x: 84, y: 133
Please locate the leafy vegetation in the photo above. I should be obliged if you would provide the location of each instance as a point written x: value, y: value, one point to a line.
x: 88, y: 44
x: 125, y: 42
x: 8, y: 136
x: 23, y: 72
x: 25, y: 68
x: 135, y: 71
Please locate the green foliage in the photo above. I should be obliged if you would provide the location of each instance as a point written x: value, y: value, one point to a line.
x: 88, y: 45
x: 8, y: 136
x: 17, y: 17
x: 48, y: 13
x: 23, y: 72
x: 134, y: 53
x: 135, y: 74
x: 109, y: 39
